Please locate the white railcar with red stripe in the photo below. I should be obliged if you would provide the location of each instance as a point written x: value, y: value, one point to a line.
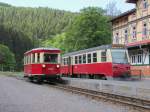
x: 103, y: 62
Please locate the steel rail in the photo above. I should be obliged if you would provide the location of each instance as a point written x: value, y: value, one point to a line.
x: 136, y: 103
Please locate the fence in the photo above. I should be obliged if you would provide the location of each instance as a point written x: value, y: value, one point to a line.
x: 4, y: 68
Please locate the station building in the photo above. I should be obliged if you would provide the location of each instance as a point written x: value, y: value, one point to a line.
x: 132, y: 29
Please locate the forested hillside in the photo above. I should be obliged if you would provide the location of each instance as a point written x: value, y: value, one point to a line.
x: 36, y: 23
x: 22, y: 29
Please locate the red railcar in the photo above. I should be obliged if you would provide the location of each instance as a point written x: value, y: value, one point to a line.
x: 107, y: 61
x: 42, y: 63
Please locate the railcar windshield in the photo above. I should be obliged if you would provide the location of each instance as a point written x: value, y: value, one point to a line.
x: 119, y: 56
x: 51, y: 58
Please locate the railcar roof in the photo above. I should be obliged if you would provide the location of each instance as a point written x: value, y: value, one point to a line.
x: 48, y: 48
x: 42, y: 48
x: 94, y: 49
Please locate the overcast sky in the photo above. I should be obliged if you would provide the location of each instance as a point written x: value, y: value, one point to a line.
x: 69, y: 5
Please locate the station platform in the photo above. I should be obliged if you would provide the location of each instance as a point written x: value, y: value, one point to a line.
x: 137, y: 89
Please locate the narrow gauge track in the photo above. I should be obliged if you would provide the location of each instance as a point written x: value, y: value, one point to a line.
x: 139, y: 104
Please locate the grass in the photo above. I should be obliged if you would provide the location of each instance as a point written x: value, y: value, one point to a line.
x: 12, y: 74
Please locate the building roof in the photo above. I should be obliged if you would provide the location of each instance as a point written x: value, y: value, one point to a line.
x: 109, y: 46
x: 131, y: 1
x: 124, y: 14
x: 138, y: 43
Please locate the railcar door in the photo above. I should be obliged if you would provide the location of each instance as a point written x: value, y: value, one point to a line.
x: 70, y: 66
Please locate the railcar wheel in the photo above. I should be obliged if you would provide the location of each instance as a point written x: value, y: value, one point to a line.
x: 38, y: 79
x: 30, y: 79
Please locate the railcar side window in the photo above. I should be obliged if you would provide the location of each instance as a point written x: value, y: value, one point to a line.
x: 94, y: 57
x: 89, y: 58
x: 67, y: 61
x: 103, y: 56
x: 80, y: 59
x: 33, y: 58
x: 63, y: 61
x: 76, y: 59
x: 51, y: 58
x: 38, y: 57
x: 30, y: 58
x: 84, y: 58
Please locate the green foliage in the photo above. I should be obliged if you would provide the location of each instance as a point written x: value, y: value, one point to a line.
x: 89, y: 29
x: 24, y: 28
x: 4, y: 5
x: 17, y: 42
x: 7, y: 58
x: 36, y: 23
x: 57, y: 41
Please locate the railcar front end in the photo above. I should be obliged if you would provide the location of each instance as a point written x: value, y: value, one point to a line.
x: 42, y: 64
x: 120, y: 63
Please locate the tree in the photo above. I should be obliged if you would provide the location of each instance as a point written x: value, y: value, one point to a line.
x: 111, y: 9
x: 7, y: 58
x: 89, y: 29
x: 17, y: 42
x: 57, y: 41
x: 4, y: 4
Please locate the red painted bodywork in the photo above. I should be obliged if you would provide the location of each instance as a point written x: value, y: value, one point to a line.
x: 108, y: 69
x: 120, y: 69
x: 37, y: 69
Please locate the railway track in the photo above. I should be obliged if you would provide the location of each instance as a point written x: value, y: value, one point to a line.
x: 135, y: 103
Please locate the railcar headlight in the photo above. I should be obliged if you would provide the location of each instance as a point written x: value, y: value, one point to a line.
x: 43, y: 66
x: 58, y: 66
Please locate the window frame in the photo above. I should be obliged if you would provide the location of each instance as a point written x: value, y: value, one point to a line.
x: 117, y: 38
x: 94, y: 57
x: 145, y: 4
x: 104, y: 56
x: 134, y: 33
x: 80, y: 59
x: 84, y: 58
x: 144, y: 30
x: 126, y: 35
x: 89, y: 58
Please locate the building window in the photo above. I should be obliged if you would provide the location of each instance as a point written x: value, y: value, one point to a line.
x: 126, y: 35
x: 134, y: 33
x: 103, y: 56
x: 84, y: 58
x: 94, y: 57
x: 133, y: 59
x: 136, y: 59
x: 145, y: 4
x: 117, y: 38
x: 144, y: 30
x: 89, y: 58
x: 139, y: 59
